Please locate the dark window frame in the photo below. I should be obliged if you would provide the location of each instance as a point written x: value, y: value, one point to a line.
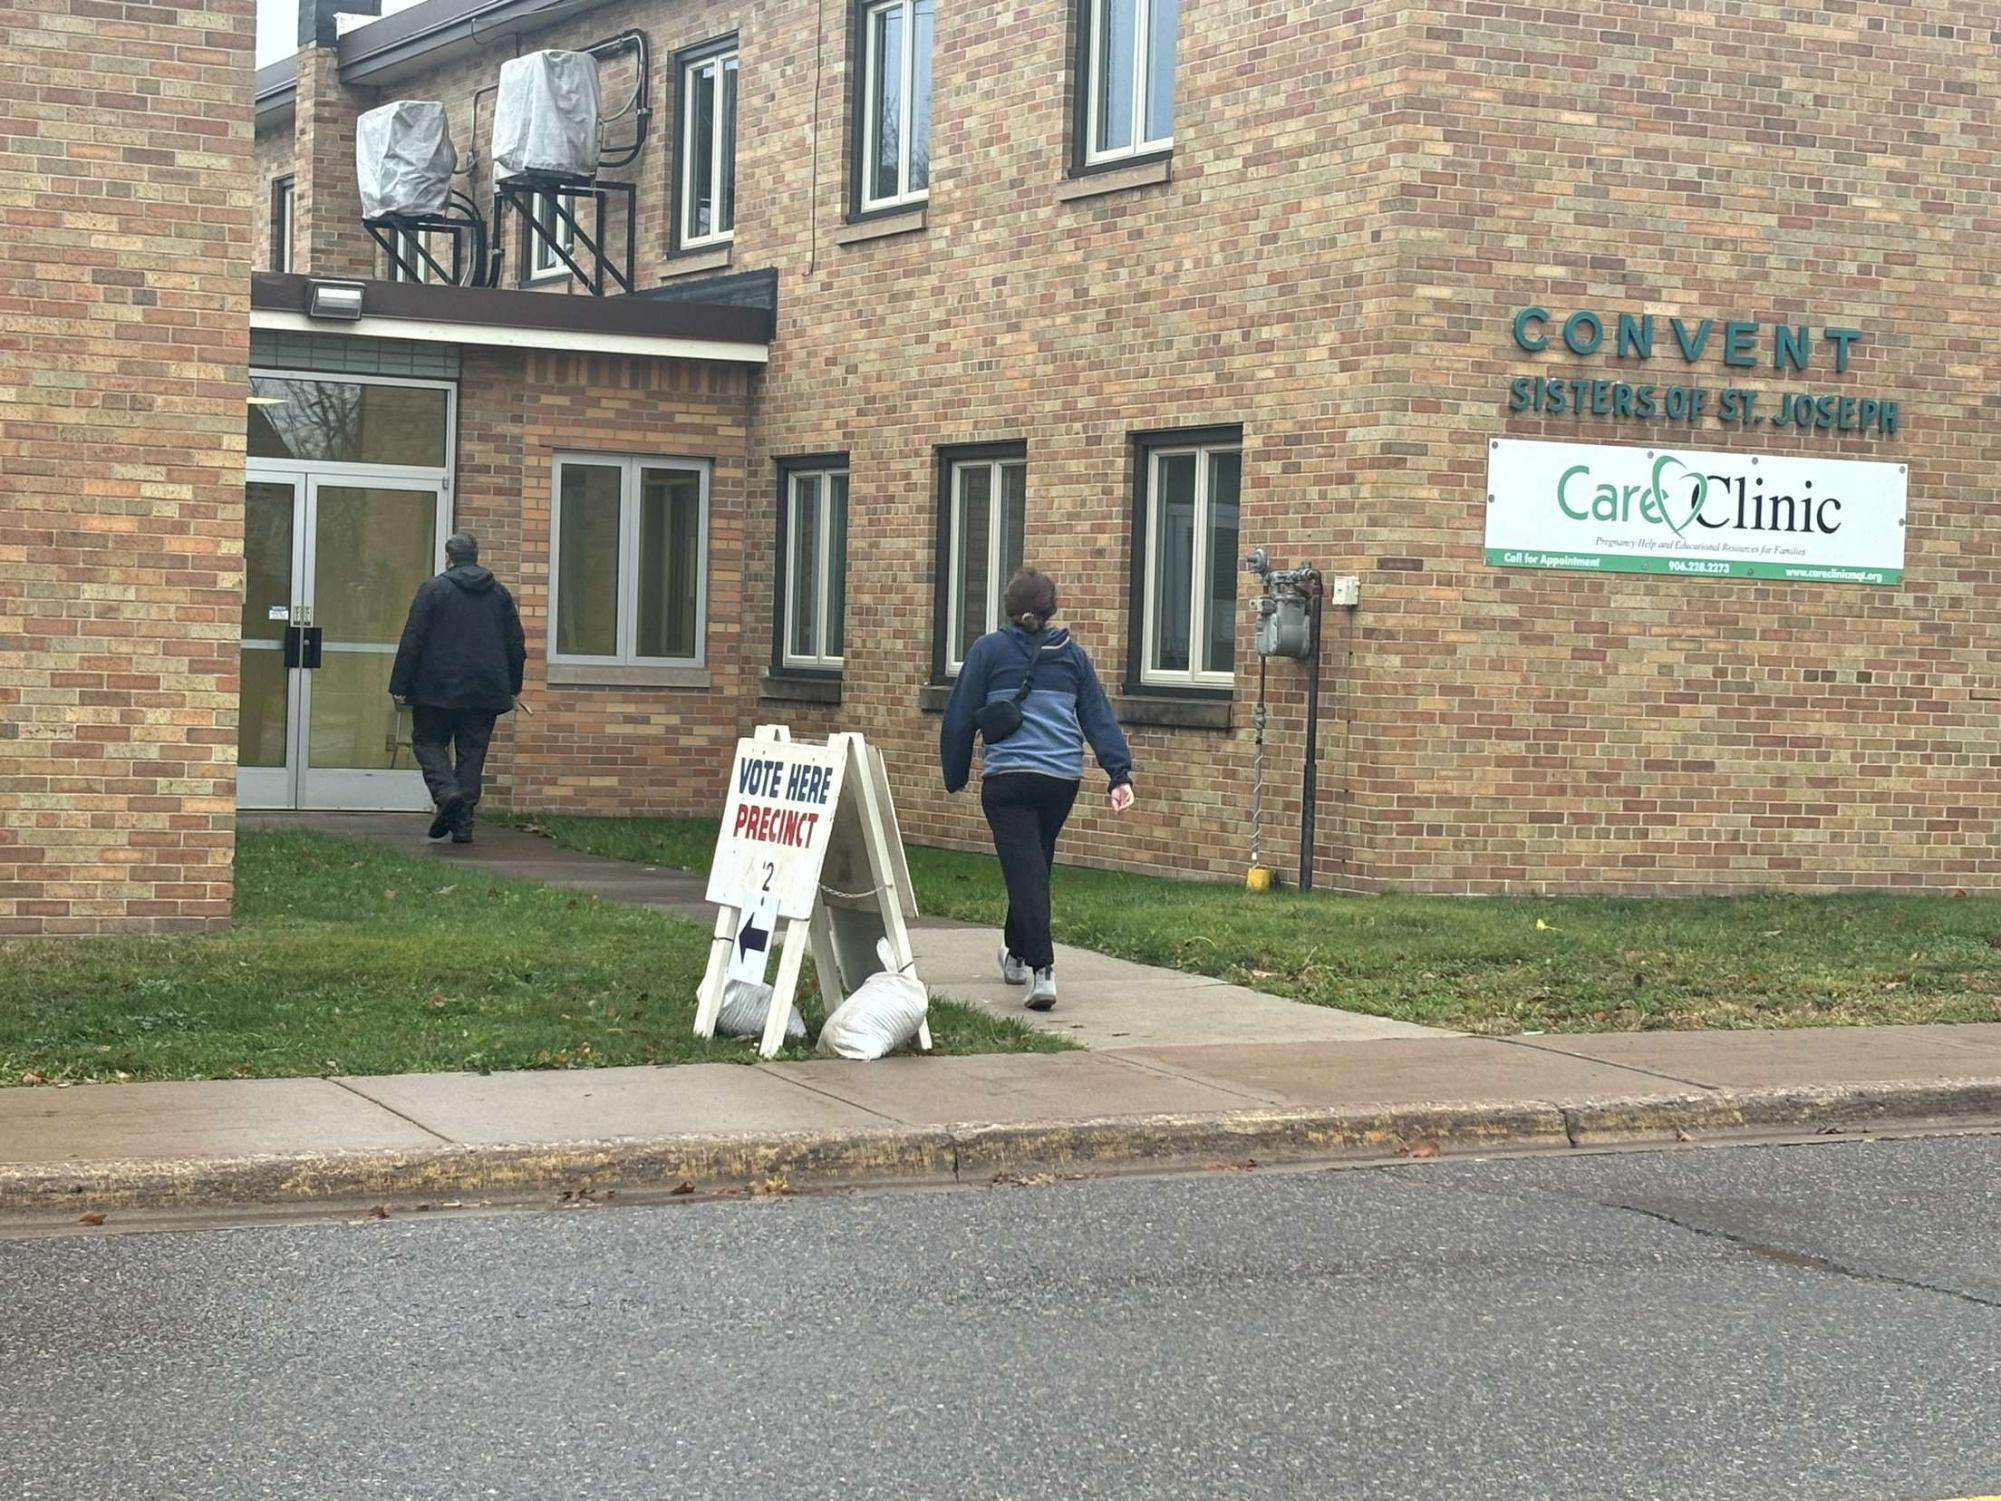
x: 788, y: 466
x: 1139, y: 455
x: 686, y: 58
x: 284, y: 209
x: 1081, y: 164
x: 997, y: 451
x: 856, y: 123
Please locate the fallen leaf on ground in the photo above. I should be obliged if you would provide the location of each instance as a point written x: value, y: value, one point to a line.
x: 1543, y: 927
x: 31, y: 1077
x: 1421, y: 1150
x: 437, y: 999
x: 389, y: 895
x: 681, y: 1188
x: 1681, y: 1135
x: 92, y: 1218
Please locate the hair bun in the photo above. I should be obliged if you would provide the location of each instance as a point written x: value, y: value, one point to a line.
x: 1029, y: 622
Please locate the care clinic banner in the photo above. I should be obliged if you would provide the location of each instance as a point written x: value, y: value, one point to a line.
x: 1610, y: 508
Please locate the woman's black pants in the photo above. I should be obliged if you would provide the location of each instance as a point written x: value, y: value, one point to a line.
x: 1026, y: 812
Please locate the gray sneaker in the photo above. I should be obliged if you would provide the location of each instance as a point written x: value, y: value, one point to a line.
x: 1043, y: 996
x: 1012, y: 969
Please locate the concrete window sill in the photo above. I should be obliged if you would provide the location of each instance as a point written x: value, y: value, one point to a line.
x: 1173, y: 713
x: 1121, y: 179
x: 909, y: 222
x: 696, y: 262
x: 796, y: 690
x: 563, y: 675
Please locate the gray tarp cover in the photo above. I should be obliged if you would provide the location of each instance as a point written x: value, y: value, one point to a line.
x: 545, y: 122
x: 404, y: 158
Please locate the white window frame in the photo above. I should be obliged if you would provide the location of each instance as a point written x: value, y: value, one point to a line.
x: 997, y: 579
x: 281, y: 223
x: 543, y: 265
x: 905, y: 194
x: 822, y: 661
x: 1198, y: 579
x: 721, y: 62
x: 1142, y: 38
x: 628, y: 559
x: 407, y: 241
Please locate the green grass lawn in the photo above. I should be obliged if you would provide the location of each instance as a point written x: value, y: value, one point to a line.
x: 1487, y: 964
x: 351, y: 959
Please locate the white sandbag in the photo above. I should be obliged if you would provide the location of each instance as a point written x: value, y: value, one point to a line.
x: 745, y: 1007
x: 403, y: 160
x: 545, y: 120
x: 878, y: 1018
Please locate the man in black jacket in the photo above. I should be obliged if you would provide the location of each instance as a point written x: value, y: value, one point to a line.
x: 458, y: 668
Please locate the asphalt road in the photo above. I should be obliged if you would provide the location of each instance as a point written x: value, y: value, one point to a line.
x: 1819, y: 1321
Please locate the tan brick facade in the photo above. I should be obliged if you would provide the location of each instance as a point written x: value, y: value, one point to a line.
x: 1358, y: 201
x: 125, y: 149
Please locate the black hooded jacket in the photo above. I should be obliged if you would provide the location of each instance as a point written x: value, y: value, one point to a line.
x: 462, y: 647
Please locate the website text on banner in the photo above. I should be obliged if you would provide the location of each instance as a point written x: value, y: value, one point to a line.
x: 1614, y: 508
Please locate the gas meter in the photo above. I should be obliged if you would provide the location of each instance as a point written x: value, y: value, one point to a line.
x: 1285, y: 609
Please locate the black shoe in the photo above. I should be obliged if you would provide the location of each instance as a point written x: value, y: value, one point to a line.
x: 462, y: 823
x: 448, y: 817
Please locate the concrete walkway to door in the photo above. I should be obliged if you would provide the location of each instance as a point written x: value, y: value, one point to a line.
x: 1107, y: 1004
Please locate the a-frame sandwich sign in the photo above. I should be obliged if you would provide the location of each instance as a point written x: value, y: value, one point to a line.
x: 808, y: 842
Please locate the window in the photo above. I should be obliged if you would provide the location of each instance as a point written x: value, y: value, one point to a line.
x: 705, y: 184
x: 1187, y: 534
x: 814, y: 519
x: 281, y: 223
x: 893, y: 107
x: 542, y: 261
x: 410, y: 247
x: 983, y: 523
x: 1127, y: 78
x: 629, y: 561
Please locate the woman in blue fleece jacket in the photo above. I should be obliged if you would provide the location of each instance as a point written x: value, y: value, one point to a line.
x: 1028, y: 781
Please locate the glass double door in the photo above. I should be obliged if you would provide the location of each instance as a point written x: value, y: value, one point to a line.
x: 330, y: 565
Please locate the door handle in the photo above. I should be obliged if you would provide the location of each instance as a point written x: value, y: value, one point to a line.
x: 304, y: 646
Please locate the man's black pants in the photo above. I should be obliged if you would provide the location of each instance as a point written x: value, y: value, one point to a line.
x: 434, y: 733
x: 1026, y: 812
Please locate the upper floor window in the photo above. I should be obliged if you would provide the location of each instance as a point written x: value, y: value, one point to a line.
x: 893, y: 127
x: 281, y: 223
x: 409, y: 262
x: 813, y: 620
x: 705, y: 184
x: 984, y: 523
x: 1128, y: 78
x: 628, y: 561
x: 1187, y: 534
x: 543, y: 263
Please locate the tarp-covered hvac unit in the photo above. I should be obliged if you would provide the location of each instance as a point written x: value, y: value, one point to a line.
x: 545, y: 122
x: 403, y: 157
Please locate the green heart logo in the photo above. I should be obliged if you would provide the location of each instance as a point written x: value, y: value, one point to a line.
x: 1660, y: 492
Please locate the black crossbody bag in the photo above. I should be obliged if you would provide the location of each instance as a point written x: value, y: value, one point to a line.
x: 998, y: 718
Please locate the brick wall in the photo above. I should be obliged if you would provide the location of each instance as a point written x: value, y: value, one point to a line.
x: 1359, y: 199
x: 125, y: 147
x: 602, y: 747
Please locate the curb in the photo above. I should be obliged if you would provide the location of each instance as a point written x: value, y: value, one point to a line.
x: 976, y: 1154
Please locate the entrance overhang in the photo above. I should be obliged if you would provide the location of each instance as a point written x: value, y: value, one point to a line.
x: 506, y: 319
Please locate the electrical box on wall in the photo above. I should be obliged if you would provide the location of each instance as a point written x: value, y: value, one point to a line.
x: 1344, y: 589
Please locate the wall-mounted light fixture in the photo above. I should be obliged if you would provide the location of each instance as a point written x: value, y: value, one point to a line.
x: 334, y: 299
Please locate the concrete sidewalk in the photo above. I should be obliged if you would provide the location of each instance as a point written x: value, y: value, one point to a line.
x: 1107, y: 1003
x: 736, y: 1128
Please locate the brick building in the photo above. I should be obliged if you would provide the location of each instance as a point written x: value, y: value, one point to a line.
x: 125, y: 191
x: 1127, y: 288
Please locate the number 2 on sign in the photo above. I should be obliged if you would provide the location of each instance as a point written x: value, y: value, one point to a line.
x: 770, y: 870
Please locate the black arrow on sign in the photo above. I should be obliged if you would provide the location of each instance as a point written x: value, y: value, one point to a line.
x: 751, y: 936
